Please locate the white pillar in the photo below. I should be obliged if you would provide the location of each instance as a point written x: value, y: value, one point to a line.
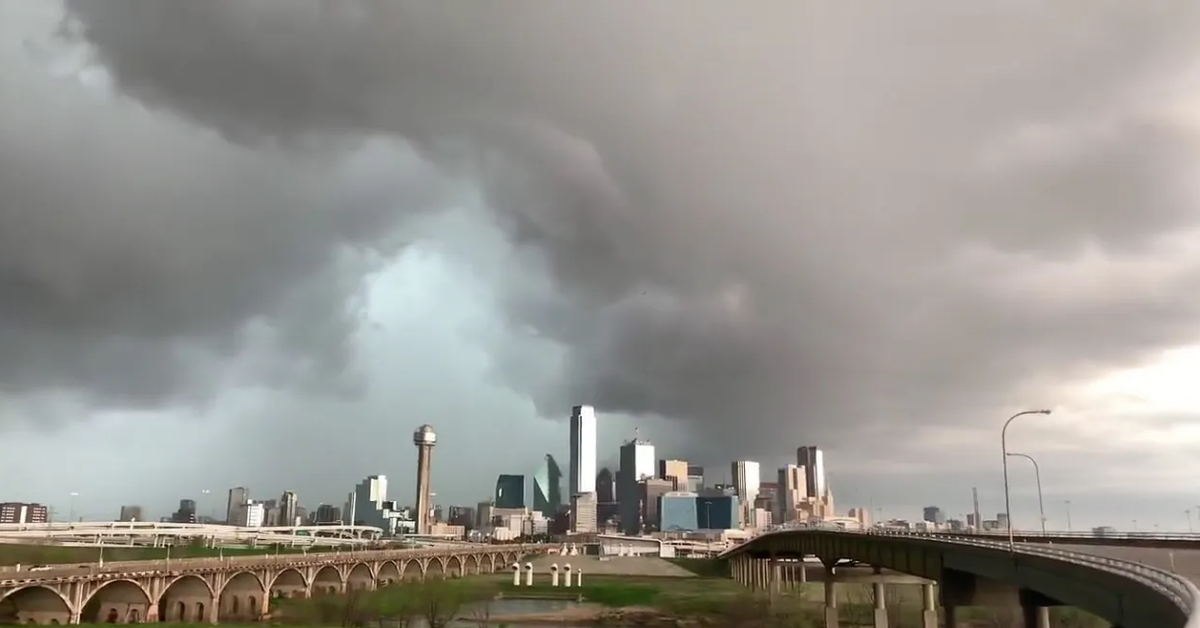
x: 554, y: 575
x: 881, y: 616
x: 528, y: 574
x: 567, y: 573
x: 579, y: 577
x: 929, y: 614
x: 516, y: 575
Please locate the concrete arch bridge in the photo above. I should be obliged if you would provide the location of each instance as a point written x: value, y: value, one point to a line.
x: 215, y: 590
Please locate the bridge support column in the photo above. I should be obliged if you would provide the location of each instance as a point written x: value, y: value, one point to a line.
x: 214, y: 610
x: 152, y: 614
x: 776, y: 579
x: 1036, y: 616
x: 929, y: 614
x: 881, y: 615
x: 75, y: 619
x: 831, y: 610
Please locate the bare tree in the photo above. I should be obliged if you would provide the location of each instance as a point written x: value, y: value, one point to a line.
x: 481, y: 614
x: 441, y: 602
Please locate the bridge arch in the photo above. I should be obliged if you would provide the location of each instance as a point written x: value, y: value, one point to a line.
x: 436, y: 567
x: 289, y: 583
x: 455, y: 565
x: 359, y: 577
x: 35, y: 604
x: 389, y: 573
x: 327, y: 581
x: 241, y: 597
x: 186, y: 599
x: 116, y: 602
x: 411, y: 570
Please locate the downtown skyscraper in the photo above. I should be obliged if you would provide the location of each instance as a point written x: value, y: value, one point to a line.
x: 581, y: 477
x: 813, y: 461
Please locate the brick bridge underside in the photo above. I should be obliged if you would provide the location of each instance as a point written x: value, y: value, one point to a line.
x: 216, y: 594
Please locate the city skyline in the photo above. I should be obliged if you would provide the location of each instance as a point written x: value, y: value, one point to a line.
x: 1083, y: 512
x: 879, y: 253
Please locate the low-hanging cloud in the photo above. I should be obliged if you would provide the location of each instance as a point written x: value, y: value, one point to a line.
x: 757, y: 217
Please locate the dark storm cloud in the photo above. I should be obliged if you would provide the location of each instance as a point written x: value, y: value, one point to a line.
x: 137, y: 255
x: 755, y: 214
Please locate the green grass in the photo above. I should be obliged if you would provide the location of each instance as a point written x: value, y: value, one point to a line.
x: 13, y: 554
x: 703, y: 567
x: 616, y: 591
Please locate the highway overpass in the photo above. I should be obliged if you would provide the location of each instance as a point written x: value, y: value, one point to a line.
x: 1132, y: 582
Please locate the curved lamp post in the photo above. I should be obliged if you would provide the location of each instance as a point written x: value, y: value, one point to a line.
x: 1037, y: 474
x: 1004, y: 458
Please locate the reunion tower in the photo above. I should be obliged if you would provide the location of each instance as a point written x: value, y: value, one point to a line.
x: 424, y: 439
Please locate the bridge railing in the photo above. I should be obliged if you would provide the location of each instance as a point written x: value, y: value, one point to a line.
x: 1179, y: 590
x: 1107, y: 534
x: 259, y: 560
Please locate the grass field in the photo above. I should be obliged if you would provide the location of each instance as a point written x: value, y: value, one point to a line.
x: 13, y: 554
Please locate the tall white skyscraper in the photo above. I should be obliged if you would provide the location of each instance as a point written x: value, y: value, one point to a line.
x: 813, y: 461
x: 581, y: 478
x: 747, y: 479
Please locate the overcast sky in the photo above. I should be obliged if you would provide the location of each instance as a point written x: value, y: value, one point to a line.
x: 259, y: 242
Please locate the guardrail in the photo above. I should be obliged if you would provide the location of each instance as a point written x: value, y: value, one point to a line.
x: 11, y: 575
x: 1074, y: 534
x: 1180, y: 590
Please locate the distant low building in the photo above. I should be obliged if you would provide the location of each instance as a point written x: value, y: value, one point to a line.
x: 131, y: 513
x: 23, y: 512
x: 677, y: 512
x: 717, y: 512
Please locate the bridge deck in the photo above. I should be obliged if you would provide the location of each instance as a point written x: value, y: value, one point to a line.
x: 1184, y: 562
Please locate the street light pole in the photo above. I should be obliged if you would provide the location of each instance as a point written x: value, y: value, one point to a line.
x: 1037, y: 474
x: 1004, y: 460
x: 1068, y: 503
x: 1188, y: 512
x: 71, y: 508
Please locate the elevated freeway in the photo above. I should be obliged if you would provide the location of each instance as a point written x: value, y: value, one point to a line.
x: 1133, y: 581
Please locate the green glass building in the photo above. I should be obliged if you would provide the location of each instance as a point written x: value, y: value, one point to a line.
x: 547, y: 488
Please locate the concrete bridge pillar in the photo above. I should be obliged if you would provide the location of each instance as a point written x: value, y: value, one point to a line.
x: 776, y: 583
x: 929, y: 613
x: 214, y: 610
x: 831, y: 609
x: 1036, y: 616
x: 881, y: 615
